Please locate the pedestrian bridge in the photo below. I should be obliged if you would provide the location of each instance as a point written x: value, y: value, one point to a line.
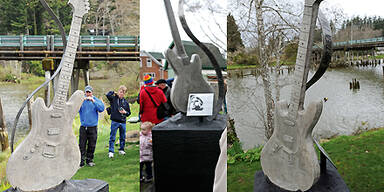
x: 38, y: 47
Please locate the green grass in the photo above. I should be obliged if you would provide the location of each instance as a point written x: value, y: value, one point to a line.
x: 230, y: 67
x: 121, y: 172
x: 359, y: 159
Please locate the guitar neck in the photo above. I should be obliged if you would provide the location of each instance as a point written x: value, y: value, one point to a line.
x: 67, y: 60
x: 303, y: 58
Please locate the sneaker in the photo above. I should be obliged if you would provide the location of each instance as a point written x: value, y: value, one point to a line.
x: 148, y: 180
x: 91, y: 164
x: 122, y: 152
x: 110, y: 155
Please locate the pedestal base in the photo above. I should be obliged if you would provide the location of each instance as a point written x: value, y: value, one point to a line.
x: 330, y: 181
x: 87, y: 185
x: 185, y: 152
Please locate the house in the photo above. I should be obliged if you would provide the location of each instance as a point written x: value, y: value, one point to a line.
x: 152, y: 63
x: 207, y: 68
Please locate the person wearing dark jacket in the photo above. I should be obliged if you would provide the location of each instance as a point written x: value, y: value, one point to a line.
x: 162, y: 84
x: 89, y: 117
x: 119, y: 113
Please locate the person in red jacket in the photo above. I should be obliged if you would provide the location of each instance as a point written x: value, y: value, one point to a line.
x: 147, y: 106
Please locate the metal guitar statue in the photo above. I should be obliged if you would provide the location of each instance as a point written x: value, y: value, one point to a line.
x: 289, y: 158
x: 188, y: 77
x: 49, y: 154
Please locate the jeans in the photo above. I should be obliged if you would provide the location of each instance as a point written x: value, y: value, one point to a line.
x: 114, y: 126
x: 87, y: 135
x: 148, y: 169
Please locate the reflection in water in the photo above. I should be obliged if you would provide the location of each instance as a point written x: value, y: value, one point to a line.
x: 14, y: 95
x: 344, y: 112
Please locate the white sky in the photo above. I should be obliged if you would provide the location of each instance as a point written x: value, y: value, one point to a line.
x: 155, y: 33
x: 358, y: 7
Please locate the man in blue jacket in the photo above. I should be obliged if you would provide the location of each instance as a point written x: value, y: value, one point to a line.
x: 89, y: 117
x: 119, y: 113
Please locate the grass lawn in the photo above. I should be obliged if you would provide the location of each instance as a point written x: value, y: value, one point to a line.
x: 121, y: 172
x: 359, y: 159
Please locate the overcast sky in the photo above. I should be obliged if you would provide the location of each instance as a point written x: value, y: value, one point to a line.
x: 358, y: 7
x: 155, y: 34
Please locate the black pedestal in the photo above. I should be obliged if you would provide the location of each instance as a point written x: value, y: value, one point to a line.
x: 330, y: 181
x: 87, y: 185
x: 185, y: 152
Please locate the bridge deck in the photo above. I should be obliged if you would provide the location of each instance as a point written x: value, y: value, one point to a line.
x: 37, y: 47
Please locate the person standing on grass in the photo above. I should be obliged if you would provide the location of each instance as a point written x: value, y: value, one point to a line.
x: 89, y: 118
x: 119, y: 113
x: 146, y: 154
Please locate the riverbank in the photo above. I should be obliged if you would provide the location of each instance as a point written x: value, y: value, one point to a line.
x: 359, y: 160
x: 121, y: 172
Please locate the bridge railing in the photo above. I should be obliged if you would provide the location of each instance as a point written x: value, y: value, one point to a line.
x: 360, y: 41
x: 52, y: 42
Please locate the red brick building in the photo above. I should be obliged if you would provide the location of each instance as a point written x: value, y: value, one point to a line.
x: 152, y: 63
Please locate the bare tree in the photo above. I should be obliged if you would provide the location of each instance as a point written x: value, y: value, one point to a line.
x: 264, y: 23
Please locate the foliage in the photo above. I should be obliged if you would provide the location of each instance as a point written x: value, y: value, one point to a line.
x: 236, y: 154
x: 234, y: 40
x: 290, y: 52
x: 242, y: 57
x: 36, y: 68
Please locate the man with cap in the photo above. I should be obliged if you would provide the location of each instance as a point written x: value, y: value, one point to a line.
x: 148, y: 109
x: 162, y: 84
x: 89, y: 118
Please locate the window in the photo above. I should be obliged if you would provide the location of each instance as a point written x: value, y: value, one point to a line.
x: 153, y: 75
x: 149, y: 62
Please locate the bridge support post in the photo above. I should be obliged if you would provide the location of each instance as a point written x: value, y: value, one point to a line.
x: 48, y: 66
x: 75, y: 78
x: 84, y: 65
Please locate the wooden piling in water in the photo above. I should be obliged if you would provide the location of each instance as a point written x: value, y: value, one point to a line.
x: 30, y: 112
x: 3, y: 130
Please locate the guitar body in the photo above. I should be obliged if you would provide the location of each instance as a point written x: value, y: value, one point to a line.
x: 188, y: 79
x: 50, y: 151
x: 289, y: 158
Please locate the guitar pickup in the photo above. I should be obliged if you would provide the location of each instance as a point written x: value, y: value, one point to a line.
x: 53, y: 131
x: 49, y: 151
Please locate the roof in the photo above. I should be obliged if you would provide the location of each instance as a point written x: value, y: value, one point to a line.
x: 191, y: 48
x: 157, y: 55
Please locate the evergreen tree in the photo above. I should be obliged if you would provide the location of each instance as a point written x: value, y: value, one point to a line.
x: 234, y: 40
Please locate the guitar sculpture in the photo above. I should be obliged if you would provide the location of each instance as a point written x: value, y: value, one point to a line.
x: 188, y: 77
x: 289, y: 158
x: 50, y: 154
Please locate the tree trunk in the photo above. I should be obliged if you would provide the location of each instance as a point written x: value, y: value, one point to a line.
x: 278, y: 56
x: 263, y: 58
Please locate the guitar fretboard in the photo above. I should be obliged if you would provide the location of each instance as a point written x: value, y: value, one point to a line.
x: 303, y: 58
x: 68, y: 60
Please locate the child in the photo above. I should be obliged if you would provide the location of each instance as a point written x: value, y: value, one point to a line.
x: 146, y: 157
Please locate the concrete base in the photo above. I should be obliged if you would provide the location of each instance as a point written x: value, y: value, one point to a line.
x: 330, y: 181
x: 185, y: 152
x: 87, y: 185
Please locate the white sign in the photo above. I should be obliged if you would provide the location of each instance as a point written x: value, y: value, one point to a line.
x: 200, y: 104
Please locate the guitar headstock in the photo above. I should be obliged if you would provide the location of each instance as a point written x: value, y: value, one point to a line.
x: 79, y: 7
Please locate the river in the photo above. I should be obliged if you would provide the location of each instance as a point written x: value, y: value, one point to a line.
x: 14, y: 95
x: 344, y: 113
